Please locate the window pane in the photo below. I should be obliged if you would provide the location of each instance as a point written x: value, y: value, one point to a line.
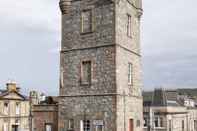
x: 130, y: 73
x: 6, y: 108
x: 71, y: 124
x: 85, y: 125
x: 48, y: 127
x: 99, y: 128
x: 128, y: 25
x: 17, y: 108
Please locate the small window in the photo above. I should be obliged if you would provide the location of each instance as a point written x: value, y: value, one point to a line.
x: 195, y: 124
x: 99, y: 128
x: 161, y: 122
x: 17, y: 108
x: 86, y: 73
x: 158, y: 122
x: 86, y: 21
x: 129, y: 33
x: 6, y: 108
x: 48, y: 127
x: 138, y: 123
x: 71, y: 124
x: 5, y: 127
x: 145, y: 122
x: 170, y: 125
x: 130, y: 72
x: 85, y: 125
x: 183, y: 125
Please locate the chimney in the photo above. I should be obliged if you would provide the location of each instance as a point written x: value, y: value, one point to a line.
x: 11, y: 86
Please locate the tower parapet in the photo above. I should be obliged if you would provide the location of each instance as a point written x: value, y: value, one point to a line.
x: 65, y: 6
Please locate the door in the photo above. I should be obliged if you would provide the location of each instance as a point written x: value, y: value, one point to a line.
x: 15, y: 128
x: 131, y: 125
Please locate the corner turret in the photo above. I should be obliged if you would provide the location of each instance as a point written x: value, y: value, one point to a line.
x: 65, y: 6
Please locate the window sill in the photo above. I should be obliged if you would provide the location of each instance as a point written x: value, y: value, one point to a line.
x: 85, y: 84
x: 159, y: 127
x: 85, y: 33
x: 70, y: 129
x: 130, y: 84
x: 130, y: 37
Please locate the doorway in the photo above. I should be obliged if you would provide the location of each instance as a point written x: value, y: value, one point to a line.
x: 15, y: 128
x: 131, y: 125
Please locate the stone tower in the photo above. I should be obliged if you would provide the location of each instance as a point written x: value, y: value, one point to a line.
x: 100, y: 66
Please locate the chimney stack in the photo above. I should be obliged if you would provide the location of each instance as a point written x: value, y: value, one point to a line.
x: 11, y: 86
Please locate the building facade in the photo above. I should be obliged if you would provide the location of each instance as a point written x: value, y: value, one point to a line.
x: 100, y: 66
x: 14, y: 109
x: 45, y: 115
x: 169, y: 111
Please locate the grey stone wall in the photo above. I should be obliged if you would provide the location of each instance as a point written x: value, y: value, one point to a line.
x: 103, y: 15
x: 103, y: 71
x: 108, y: 97
x: 89, y: 108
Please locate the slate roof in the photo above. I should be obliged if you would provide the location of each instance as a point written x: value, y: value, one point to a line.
x: 50, y: 100
x: 161, y: 97
x: 6, y: 92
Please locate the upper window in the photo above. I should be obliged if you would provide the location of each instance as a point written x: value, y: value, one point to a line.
x: 130, y: 72
x: 86, y: 21
x: 86, y: 73
x: 6, y: 108
x: 17, y: 108
x: 129, y: 33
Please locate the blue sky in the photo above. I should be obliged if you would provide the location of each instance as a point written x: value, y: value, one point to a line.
x: 30, y: 40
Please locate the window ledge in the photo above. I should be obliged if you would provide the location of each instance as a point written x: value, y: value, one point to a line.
x: 85, y: 84
x: 159, y: 127
x: 85, y: 33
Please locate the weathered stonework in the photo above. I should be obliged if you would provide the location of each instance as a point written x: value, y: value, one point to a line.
x: 109, y: 97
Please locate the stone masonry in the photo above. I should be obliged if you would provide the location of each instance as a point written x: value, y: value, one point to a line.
x: 108, y: 102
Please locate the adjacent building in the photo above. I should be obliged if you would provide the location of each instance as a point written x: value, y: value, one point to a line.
x: 100, y: 66
x: 169, y: 110
x: 14, y: 109
x: 45, y: 115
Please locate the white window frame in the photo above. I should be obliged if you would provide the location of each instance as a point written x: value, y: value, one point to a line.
x: 17, y: 108
x: 6, y: 108
x: 48, y: 125
x: 160, y: 122
x: 129, y: 25
x: 98, y: 126
x: 83, y: 123
x: 5, y: 126
x: 70, y: 124
x: 130, y: 73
